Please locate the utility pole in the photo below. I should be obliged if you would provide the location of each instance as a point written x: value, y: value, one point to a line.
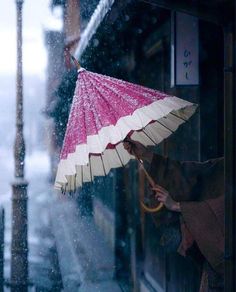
x: 19, y: 245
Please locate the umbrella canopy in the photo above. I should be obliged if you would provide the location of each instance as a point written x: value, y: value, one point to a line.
x: 104, y: 111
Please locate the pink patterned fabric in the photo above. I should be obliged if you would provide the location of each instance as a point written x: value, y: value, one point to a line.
x: 100, y: 101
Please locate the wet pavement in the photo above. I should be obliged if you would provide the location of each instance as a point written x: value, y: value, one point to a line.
x: 43, y: 262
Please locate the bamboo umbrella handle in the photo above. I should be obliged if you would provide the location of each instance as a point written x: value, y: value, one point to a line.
x: 152, y: 183
x: 150, y: 180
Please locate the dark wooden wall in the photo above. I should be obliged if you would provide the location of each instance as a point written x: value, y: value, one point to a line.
x: 123, y: 49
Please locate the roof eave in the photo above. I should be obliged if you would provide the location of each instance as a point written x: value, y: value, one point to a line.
x: 101, y: 10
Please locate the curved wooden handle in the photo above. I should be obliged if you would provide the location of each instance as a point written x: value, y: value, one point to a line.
x: 150, y: 180
x: 152, y: 183
x: 151, y: 210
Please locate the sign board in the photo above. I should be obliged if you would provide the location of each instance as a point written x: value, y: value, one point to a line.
x: 184, y: 50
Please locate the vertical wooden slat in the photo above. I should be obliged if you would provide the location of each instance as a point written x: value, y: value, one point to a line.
x: 141, y: 190
x: 230, y: 158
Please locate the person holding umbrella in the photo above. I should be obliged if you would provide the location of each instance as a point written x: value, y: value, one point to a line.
x: 104, y: 112
x: 196, y: 191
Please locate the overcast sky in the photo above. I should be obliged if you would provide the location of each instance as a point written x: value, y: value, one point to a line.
x: 37, y: 16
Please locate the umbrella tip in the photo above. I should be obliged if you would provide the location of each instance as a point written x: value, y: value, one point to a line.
x: 76, y: 62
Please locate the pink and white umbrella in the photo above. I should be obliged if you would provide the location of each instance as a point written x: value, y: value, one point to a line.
x: 104, y: 111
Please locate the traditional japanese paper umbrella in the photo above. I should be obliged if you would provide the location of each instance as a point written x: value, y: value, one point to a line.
x: 104, y: 111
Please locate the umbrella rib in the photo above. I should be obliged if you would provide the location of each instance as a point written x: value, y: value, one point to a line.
x: 93, y: 106
x: 85, y: 117
x: 75, y: 181
x: 102, y: 97
x: 149, y: 137
x: 119, y: 157
x: 82, y: 178
x: 178, y: 117
x: 135, y: 87
x: 165, y: 127
x: 103, y: 166
x: 112, y: 90
x: 108, y: 88
x: 66, y: 187
x: 90, y: 167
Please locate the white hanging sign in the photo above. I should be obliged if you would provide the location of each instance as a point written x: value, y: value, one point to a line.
x: 184, y: 50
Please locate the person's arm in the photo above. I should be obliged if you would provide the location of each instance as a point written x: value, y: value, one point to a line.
x: 142, y: 152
